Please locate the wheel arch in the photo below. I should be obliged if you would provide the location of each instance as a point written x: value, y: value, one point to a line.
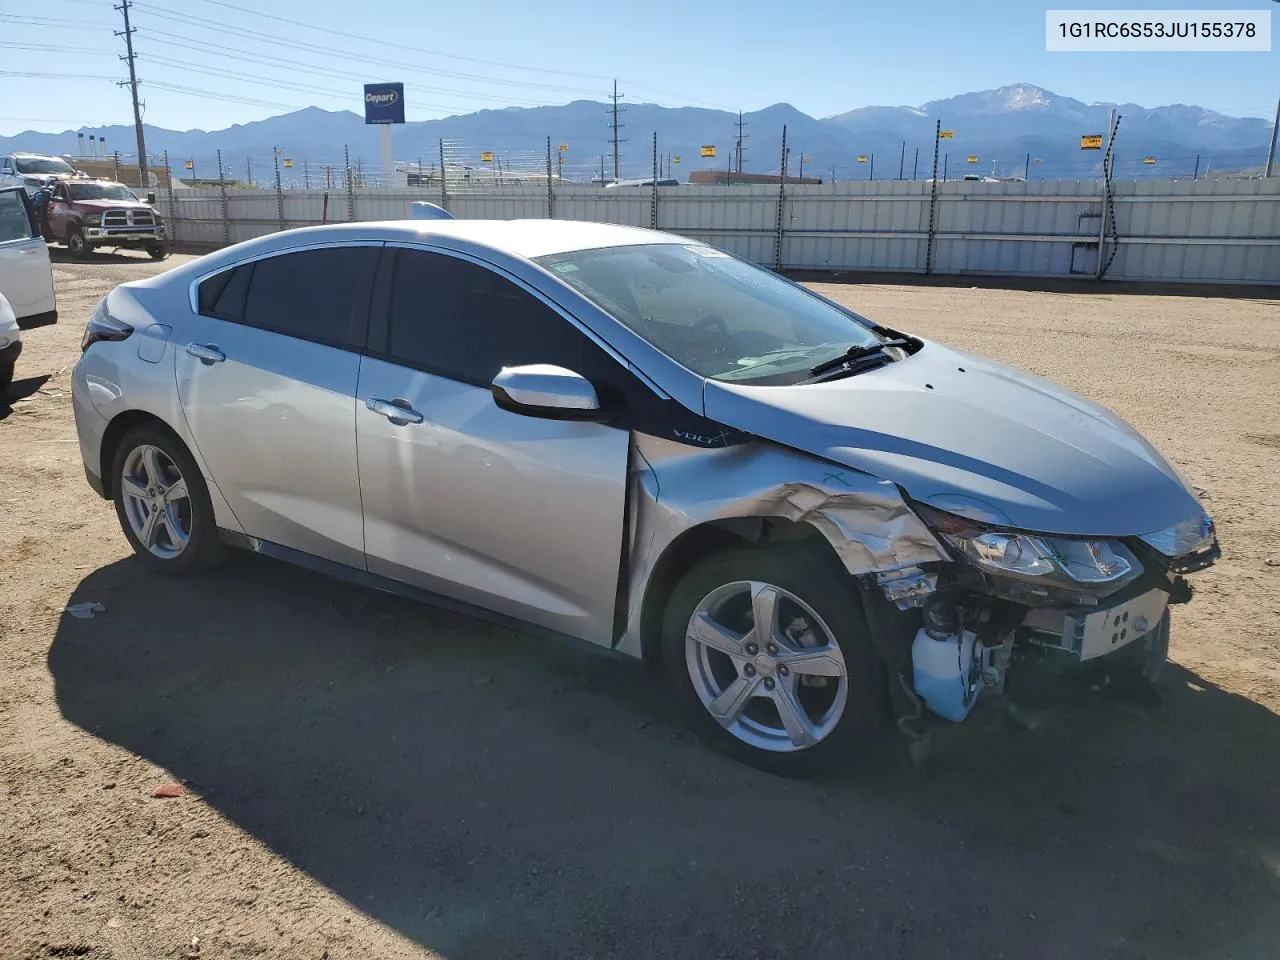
x: 116, y: 431
x: 706, y: 538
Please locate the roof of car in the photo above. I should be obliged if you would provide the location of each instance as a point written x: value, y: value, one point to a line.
x: 534, y: 238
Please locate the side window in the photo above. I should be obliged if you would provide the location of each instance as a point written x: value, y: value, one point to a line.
x: 320, y: 295
x: 223, y: 294
x: 465, y: 322
x: 14, y: 223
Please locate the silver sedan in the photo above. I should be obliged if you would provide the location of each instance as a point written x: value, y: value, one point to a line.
x: 814, y: 523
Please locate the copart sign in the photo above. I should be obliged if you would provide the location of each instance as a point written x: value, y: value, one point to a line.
x: 384, y: 103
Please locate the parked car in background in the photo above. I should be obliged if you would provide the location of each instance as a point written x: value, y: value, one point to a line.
x: 26, y: 277
x: 32, y: 170
x: 84, y: 214
x: 811, y: 521
x: 10, y: 343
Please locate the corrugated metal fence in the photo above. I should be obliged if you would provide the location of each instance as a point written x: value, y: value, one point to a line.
x: 1199, y: 231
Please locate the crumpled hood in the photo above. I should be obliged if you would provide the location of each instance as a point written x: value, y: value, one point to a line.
x: 972, y: 436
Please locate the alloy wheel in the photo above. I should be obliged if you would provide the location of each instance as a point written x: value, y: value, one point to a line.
x: 765, y: 666
x: 156, y: 502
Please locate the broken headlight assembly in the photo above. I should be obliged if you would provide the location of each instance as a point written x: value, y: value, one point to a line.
x: 1041, y: 564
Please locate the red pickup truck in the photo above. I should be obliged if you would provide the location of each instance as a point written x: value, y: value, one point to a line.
x: 85, y: 214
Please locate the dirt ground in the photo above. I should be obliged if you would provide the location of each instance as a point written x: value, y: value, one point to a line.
x: 370, y: 778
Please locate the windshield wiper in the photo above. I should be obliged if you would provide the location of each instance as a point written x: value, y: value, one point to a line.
x: 855, y: 353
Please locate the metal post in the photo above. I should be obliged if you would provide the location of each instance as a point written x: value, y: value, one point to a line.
x: 275, y: 152
x: 1106, y: 191
x: 248, y: 171
x: 444, y: 188
x: 116, y: 174
x: 226, y: 216
x: 800, y: 179
x: 306, y: 176
x: 170, y: 210
x: 551, y: 197
x: 782, y: 197
x: 915, y: 164
x: 1196, y: 174
x: 1271, y: 151
x: 871, y: 174
x: 1027, y: 173
x: 933, y: 200
x: 945, y: 157
x: 902, y: 160
x: 351, y: 189
x: 602, y: 169
x: 653, y: 204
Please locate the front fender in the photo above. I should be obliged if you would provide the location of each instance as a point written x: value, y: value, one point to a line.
x: 675, y: 488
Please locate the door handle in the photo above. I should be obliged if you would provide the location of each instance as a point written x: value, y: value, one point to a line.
x: 206, y: 353
x: 397, y: 410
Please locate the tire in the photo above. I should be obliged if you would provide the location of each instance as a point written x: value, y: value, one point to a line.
x: 151, y: 448
x: 77, y: 244
x: 157, y: 251
x: 837, y: 726
x: 6, y: 377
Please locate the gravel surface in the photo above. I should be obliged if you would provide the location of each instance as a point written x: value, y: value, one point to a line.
x: 365, y: 777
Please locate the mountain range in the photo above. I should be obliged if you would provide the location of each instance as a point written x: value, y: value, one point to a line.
x: 1012, y: 130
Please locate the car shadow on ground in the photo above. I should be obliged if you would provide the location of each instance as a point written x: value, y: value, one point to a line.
x: 490, y: 795
x: 20, y: 390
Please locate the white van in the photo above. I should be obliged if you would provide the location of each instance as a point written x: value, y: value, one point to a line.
x: 26, y: 278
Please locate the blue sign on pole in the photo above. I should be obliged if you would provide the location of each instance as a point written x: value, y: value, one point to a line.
x: 384, y: 103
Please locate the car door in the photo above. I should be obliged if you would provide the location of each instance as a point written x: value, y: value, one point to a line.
x: 267, y: 375
x: 26, y: 277
x: 517, y: 514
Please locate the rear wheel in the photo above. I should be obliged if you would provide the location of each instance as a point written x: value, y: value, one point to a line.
x: 769, y: 654
x: 163, y: 504
x: 77, y: 244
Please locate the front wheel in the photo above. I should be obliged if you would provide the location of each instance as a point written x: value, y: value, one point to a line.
x: 77, y: 244
x: 157, y: 251
x: 769, y: 654
x: 163, y: 504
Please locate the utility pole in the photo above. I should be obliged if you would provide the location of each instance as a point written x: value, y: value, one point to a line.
x: 615, y: 126
x: 1271, y: 151
x: 740, y: 146
x: 132, y: 82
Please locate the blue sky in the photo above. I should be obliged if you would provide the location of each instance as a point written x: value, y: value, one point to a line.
x: 823, y: 56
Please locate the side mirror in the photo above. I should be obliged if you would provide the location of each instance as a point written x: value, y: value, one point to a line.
x: 547, y: 391
x: 151, y: 197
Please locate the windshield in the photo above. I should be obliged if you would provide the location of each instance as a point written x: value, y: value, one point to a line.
x: 100, y: 191
x: 43, y: 166
x: 718, y: 316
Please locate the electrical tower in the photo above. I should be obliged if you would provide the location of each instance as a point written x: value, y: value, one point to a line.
x: 615, y: 125
x: 132, y: 83
x: 740, y: 146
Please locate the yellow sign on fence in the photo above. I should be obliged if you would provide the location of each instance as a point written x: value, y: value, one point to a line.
x: 946, y: 134
x: 1148, y: 159
x: 486, y: 156
x: 862, y: 158
x: 971, y: 159
x: 708, y: 151
x: 288, y: 164
x: 191, y: 165
x: 1091, y: 142
x: 676, y: 158
x: 564, y: 148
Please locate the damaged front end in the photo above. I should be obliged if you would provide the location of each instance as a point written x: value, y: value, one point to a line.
x: 952, y: 602
x: 1011, y: 595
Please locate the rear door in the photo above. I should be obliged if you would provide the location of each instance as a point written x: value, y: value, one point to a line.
x: 26, y: 277
x: 517, y: 514
x: 267, y: 377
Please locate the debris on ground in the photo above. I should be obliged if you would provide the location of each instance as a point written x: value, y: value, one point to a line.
x: 84, y: 611
x: 169, y: 790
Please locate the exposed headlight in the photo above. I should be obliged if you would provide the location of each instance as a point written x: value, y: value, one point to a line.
x: 1032, y: 556
x: 1193, y: 535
